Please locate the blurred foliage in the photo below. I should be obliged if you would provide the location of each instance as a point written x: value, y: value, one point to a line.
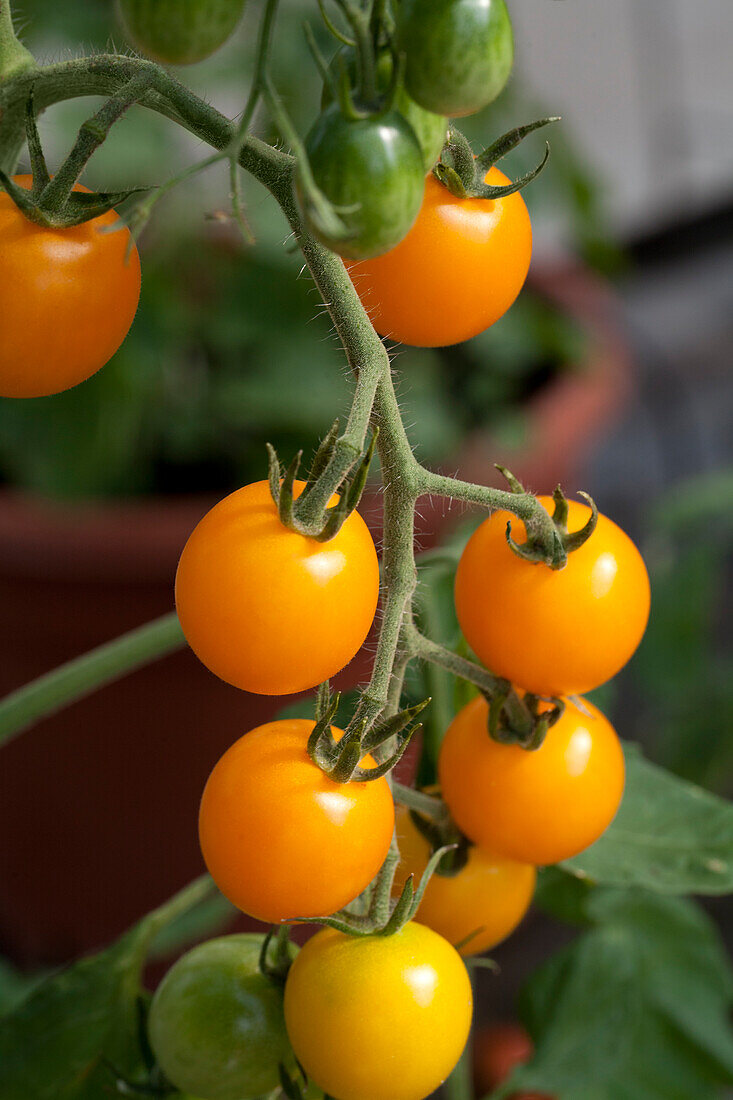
x: 683, y: 672
x: 229, y: 348
x: 637, y: 1006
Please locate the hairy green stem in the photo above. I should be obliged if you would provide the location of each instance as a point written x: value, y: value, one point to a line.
x: 79, y: 677
x: 14, y: 57
x: 427, y: 650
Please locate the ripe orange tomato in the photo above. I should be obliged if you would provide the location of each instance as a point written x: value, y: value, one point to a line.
x: 282, y: 840
x: 378, y: 1016
x: 456, y: 272
x: 67, y: 299
x: 485, y: 901
x: 553, y: 632
x: 267, y: 609
x: 539, y: 807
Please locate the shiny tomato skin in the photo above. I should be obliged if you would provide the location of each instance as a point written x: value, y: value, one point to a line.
x: 458, y: 53
x: 485, y: 901
x: 553, y: 632
x: 429, y: 129
x: 457, y: 271
x: 216, y: 1023
x: 372, y: 170
x: 282, y: 840
x: 179, y: 32
x: 67, y: 299
x: 267, y: 609
x: 378, y: 1016
x: 537, y: 807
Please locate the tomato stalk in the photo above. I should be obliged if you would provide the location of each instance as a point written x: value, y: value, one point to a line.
x: 14, y: 57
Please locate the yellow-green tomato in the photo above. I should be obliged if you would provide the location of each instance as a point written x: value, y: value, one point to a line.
x: 216, y: 1022
x: 378, y: 1017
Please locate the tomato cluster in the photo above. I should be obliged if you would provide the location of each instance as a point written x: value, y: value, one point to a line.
x: 550, y: 633
x: 432, y: 266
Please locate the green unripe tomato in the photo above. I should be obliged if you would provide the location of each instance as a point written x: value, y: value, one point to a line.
x: 430, y: 130
x: 458, y: 53
x: 216, y: 1022
x: 179, y: 32
x: 372, y: 170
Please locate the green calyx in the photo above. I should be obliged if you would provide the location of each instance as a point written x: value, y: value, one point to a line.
x: 53, y: 203
x: 443, y: 835
x: 464, y: 174
x: 338, y: 466
x: 530, y: 735
x: 385, y: 916
x: 535, y: 549
x: 341, y: 759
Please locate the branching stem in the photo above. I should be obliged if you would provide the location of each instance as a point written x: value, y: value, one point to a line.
x: 374, y: 402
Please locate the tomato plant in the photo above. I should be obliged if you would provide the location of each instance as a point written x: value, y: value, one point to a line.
x: 372, y: 171
x: 216, y: 1023
x: 280, y: 838
x: 553, y: 632
x: 277, y: 589
x: 459, y: 53
x: 67, y: 299
x: 179, y: 32
x: 456, y: 272
x: 475, y: 908
x: 267, y: 609
x: 540, y: 807
x: 384, y: 1016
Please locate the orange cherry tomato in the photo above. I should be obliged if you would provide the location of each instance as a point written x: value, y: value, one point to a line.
x: 267, y: 609
x: 378, y: 1017
x: 456, y: 272
x: 480, y: 905
x: 67, y: 299
x: 539, y: 807
x: 553, y: 632
x: 282, y: 840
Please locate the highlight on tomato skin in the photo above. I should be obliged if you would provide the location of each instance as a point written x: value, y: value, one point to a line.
x: 378, y: 1016
x: 540, y: 806
x: 282, y: 840
x: 474, y: 909
x: 269, y: 610
x: 67, y: 298
x: 553, y: 632
x: 458, y: 270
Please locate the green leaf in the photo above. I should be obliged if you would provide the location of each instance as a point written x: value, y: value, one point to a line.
x: 669, y: 836
x: 56, y: 1044
x: 635, y: 1009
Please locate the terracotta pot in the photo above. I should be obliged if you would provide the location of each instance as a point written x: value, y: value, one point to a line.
x: 98, y: 803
